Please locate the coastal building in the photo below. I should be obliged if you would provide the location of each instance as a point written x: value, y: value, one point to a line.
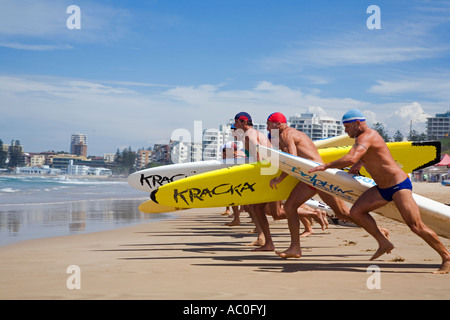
x: 179, y: 151
x: 212, y: 141
x: 438, y: 127
x: 83, y: 170
x: 109, y: 157
x: 61, y: 161
x: 78, y: 144
x: 161, y: 153
x: 41, y: 170
x: 143, y: 158
x: 316, y: 127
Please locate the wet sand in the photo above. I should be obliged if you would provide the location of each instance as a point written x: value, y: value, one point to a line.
x: 196, y: 257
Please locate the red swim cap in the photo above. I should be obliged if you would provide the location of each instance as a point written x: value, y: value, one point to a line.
x: 243, y: 116
x: 277, y: 117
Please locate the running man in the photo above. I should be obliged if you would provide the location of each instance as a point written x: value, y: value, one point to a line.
x: 299, y: 144
x: 230, y: 151
x: 252, y: 138
x: 393, y: 184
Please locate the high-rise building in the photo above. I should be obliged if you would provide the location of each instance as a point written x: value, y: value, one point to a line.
x: 438, y: 127
x: 78, y: 144
x: 315, y: 126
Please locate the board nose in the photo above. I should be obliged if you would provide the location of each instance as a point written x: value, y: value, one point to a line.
x: 153, y: 195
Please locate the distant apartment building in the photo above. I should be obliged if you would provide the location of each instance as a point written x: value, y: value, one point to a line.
x: 316, y: 127
x: 213, y: 139
x: 143, y: 158
x: 438, y: 127
x: 209, y: 149
x: 78, y: 144
x: 37, y: 159
x: 161, y: 153
x: 109, y: 157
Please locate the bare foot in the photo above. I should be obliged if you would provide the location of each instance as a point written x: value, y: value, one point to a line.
x: 256, y: 243
x: 267, y: 247
x: 235, y: 222
x: 289, y: 253
x: 386, y: 247
x: 306, y: 233
x: 444, y: 269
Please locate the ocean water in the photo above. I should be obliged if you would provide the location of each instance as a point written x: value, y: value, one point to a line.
x: 34, y: 207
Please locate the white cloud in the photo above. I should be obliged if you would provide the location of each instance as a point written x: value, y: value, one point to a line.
x: 417, y: 34
x: 120, y: 114
x: 41, y: 25
x: 34, y: 47
x: 43, y: 112
x: 352, y: 49
x: 434, y: 86
x: 406, y: 117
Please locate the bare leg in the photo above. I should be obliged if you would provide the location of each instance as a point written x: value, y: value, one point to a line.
x: 304, y: 219
x: 299, y: 195
x: 341, y: 210
x: 260, y: 214
x: 368, y: 201
x: 260, y: 241
x: 236, y: 219
x: 411, y: 215
x: 311, y: 214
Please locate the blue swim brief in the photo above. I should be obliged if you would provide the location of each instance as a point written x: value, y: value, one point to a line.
x: 389, y: 192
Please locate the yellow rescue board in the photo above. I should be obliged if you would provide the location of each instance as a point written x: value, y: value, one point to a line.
x: 339, y: 141
x: 239, y: 185
x: 152, y: 207
x: 410, y: 156
x: 245, y: 184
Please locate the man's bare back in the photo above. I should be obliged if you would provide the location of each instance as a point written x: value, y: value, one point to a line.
x: 377, y: 159
x: 297, y: 143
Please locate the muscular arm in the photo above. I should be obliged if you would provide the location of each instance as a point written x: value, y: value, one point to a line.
x: 351, y: 158
x: 254, y: 138
x: 292, y: 149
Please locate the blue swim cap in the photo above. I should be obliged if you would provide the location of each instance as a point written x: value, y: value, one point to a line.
x: 352, y: 116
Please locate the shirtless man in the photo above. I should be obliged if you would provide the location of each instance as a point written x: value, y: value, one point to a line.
x: 299, y: 144
x: 230, y: 151
x: 252, y: 138
x: 393, y: 184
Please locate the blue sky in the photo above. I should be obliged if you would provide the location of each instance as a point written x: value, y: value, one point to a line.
x: 138, y: 70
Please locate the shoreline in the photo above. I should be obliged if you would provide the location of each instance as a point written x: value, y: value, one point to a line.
x: 196, y: 257
x: 93, y: 177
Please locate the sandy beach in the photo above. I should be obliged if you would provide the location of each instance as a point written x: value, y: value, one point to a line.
x: 196, y: 257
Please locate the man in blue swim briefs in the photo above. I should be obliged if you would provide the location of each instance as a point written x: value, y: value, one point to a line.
x: 393, y: 184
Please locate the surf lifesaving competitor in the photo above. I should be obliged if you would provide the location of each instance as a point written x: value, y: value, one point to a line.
x: 251, y: 138
x: 393, y: 184
x: 230, y: 150
x: 299, y: 144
